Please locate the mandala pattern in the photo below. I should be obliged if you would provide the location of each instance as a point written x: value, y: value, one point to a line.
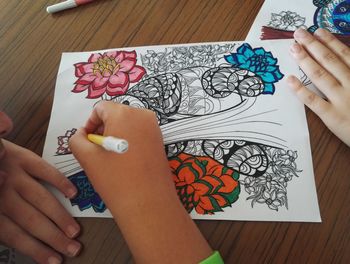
x: 333, y: 16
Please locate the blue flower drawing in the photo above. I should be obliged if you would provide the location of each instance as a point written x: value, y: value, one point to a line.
x: 258, y: 61
x: 86, y: 197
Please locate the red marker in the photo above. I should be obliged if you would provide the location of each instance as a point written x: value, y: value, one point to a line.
x: 66, y: 5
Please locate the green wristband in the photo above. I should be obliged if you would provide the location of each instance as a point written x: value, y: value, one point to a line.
x: 215, y: 258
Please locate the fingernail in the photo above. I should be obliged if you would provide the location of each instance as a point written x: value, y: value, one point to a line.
x: 320, y: 32
x: 71, y: 192
x: 72, y: 231
x: 295, y: 48
x: 73, y: 249
x: 54, y: 260
x: 300, y: 33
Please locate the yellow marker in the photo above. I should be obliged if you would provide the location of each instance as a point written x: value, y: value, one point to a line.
x: 109, y: 143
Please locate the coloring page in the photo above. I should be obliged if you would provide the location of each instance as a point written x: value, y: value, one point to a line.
x: 278, y: 19
x: 235, y: 136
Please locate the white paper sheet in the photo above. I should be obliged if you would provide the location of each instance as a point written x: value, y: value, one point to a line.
x: 282, y: 17
x: 278, y: 19
x: 234, y: 116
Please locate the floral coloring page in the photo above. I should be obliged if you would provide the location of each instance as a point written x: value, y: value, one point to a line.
x: 236, y: 138
x: 278, y: 19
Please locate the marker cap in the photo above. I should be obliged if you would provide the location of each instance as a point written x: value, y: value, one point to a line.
x: 115, y: 144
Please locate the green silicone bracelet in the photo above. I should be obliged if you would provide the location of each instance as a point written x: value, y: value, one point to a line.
x: 215, y: 258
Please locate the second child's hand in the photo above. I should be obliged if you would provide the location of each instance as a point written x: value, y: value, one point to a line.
x: 31, y: 219
x: 326, y: 61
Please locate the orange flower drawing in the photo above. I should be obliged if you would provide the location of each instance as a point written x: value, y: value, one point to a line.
x: 204, y: 184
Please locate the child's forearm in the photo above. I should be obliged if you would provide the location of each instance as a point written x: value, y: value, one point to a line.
x: 137, y: 186
x: 144, y: 204
x: 156, y: 226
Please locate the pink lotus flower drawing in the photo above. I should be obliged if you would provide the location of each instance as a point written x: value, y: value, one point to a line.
x: 110, y: 73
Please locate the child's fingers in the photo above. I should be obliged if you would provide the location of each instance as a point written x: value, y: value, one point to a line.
x: 339, y: 48
x: 39, y: 226
x: 14, y: 236
x: 80, y: 145
x: 319, y: 106
x: 317, y: 74
x: 98, y: 116
x: 84, y: 151
x: 6, y: 124
x: 324, y: 56
x: 40, y: 169
x: 44, y: 201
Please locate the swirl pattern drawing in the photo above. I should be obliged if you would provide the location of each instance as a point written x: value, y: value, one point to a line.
x: 217, y: 145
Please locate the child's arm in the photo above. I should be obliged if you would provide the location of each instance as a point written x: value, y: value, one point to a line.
x: 137, y: 186
x: 326, y: 61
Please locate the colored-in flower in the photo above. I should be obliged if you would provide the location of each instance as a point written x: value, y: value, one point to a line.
x: 204, y: 184
x: 260, y: 62
x: 62, y: 141
x: 86, y: 197
x: 110, y: 72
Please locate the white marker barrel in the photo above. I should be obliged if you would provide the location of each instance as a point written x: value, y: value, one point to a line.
x: 61, y: 6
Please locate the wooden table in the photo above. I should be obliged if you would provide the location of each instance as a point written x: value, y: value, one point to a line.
x: 31, y: 42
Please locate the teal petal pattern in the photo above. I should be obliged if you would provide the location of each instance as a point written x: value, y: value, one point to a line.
x: 269, y: 88
x: 258, y: 61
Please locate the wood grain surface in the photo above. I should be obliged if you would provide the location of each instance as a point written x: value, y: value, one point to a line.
x: 31, y: 43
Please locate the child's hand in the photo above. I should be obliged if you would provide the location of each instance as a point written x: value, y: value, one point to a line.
x: 326, y: 61
x: 31, y: 219
x: 137, y: 186
x: 140, y: 128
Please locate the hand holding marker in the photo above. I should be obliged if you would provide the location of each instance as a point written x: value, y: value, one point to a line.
x: 66, y: 5
x: 117, y: 145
